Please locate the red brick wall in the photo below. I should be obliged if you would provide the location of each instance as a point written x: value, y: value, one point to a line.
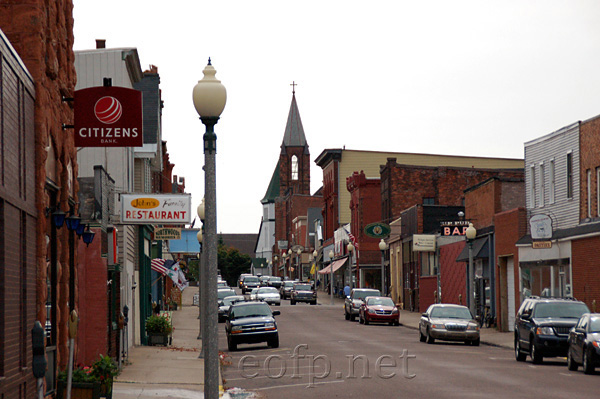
x: 302, y: 185
x: 330, y: 205
x: 453, y: 275
x: 365, y: 206
x: 589, y: 159
x: 427, y: 287
x: 586, y: 279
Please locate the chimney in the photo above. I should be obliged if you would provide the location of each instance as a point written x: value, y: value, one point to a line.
x: 100, y: 43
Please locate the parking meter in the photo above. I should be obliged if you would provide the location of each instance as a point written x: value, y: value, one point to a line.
x: 38, y: 348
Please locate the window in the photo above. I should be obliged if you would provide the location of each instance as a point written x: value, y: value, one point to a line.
x: 598, y: 191
x: 589, y: 193
x: 570, y: 175
x: 294, y: 167
x: 542, y: 184
x: 428, y: 201
x: 532, y: 186
x: 551, y: 194
x: 428, y: 264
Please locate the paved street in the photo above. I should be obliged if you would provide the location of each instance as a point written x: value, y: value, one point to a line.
x: 316, y: 345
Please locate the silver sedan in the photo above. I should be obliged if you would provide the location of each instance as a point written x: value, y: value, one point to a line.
x: 269, y: 295
x: 449, y: 323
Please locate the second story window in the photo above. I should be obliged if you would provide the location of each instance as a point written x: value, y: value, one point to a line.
x: 428, y: 201
x: 532, y: 186
x: 570, y: 175
x: 552, y: 174
x: 542, y: 184
x: 294, y: 167
x: 589, y: 193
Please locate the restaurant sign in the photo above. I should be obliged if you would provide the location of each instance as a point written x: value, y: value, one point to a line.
x: 108, y: 116
x: 167, y: 233
x: 149, y: 208
x: 454, y: 228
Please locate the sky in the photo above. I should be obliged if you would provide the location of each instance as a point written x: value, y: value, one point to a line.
x: 474, y: 78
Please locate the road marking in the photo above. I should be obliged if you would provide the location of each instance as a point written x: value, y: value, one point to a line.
x: 567, y: 374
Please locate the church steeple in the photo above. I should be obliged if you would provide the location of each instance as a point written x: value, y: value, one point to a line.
x: 294, y: 159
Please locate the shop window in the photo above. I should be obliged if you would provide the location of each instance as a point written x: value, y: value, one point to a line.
x: 428, y: 201
x: 428, y: 264
x: 546, y: 281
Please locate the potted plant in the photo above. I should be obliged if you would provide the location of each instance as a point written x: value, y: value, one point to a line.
x: 158, y: 329
x: 89, y: 382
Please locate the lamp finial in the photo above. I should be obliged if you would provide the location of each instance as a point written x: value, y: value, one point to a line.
x: 209, y: 61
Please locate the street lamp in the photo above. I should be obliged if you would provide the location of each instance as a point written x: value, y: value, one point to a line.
x: 350, y: 248
x: 276, y: 258
x: 298, y: 265
x: 201, y: 290
x: 314, y: 256
x: 331, y: 275
x: 382, y: 247
x: 209, y: 97
x: 471, y: 234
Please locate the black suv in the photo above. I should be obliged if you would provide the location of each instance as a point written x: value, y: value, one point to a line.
x: 249, y: 323
x: 303, y: 292
x: 542, y: 327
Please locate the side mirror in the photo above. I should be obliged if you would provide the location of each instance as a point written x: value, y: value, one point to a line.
x: 478, y: 319
x: 276, y: 313
x: 348, y: 296
x: 424, y: 314
x: 526, y: 316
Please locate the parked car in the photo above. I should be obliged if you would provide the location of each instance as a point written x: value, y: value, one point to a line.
x: 240, y: 282
x: 224, y: 293
x: 251, y: 322
x: 275, y: 282
x: 222, y: 284
x: 269, y: 295
x: 227, y: 302
x: 355, y: 299
x: 584, y: 344
x: 449, y: 323
x: 379, y: 309
x: 303, y: 292
x: 286, y: 289
x: 542, y: 327
x: 249, y: 283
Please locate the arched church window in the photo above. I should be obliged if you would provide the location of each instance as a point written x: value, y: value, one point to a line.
x: 294, y: 167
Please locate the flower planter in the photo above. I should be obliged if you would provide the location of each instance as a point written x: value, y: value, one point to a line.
x: 80, y: 390
x: 158, y: 339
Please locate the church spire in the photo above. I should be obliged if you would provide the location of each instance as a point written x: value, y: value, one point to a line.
x: 294, y: 132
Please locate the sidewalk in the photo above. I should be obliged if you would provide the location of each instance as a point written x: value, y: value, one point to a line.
x: 161, y: 372
x: 489, y: 336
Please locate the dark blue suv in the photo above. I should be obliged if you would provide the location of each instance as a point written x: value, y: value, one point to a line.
x: 542, y: 327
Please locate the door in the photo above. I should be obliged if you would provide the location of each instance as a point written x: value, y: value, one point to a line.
x: 510, y: 286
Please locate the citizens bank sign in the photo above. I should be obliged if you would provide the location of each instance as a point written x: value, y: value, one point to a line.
x: 156, y: 208
x: 108, y: 116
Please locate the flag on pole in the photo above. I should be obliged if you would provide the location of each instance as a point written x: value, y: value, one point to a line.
x: 353, y: 239
x: 160, y: 265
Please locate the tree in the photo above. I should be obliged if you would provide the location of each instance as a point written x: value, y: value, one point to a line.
x: 232, y: 263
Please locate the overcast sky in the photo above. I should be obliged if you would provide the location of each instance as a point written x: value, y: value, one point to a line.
x: 476, y: 78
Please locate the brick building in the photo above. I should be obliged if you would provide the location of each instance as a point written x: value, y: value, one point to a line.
x: 38, y: 169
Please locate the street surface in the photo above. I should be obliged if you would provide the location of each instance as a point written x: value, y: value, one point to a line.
x: 321, y: 355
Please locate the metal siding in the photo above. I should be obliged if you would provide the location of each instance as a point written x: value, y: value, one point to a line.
x: 564, y: 212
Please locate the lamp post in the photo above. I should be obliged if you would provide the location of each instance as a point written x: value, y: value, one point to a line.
x: 298, y: 265
x: 331, y: 276
x: 314, y: 256
x: 283, y: 256
x: 276, y: 258
x: 209, y: 97
x: 350, y: 249
x: 382, y: 247
x: 471, y: 234
x: 289, y: 256
x: 200, y: 287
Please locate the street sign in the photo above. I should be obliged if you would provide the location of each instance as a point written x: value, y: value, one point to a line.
x: 378, y: 230
x: 541, y: 244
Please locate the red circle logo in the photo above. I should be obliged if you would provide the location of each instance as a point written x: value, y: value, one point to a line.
x: 108, y: 110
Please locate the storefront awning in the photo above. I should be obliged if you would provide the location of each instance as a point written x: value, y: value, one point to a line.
x: 481, y: 249
x: 336, y: 265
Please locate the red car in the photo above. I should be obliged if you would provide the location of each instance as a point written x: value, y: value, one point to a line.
x: 379, y: 309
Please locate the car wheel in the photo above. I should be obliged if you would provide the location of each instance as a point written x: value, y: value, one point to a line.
x: 536, y: 356
x: 231, y: 345
x: 346, y: 315
x: 519, y: 355
x: 430, y: 339
x: 352, y: 317
x: 278, y: 303
x: 422, y: 338
x: 397, y: 323
x: 571, y: 363
x: 588, y: 366
x: 475, y: 342
x: 313, y: 303
x: 274, y: 342
x: 292, y: 302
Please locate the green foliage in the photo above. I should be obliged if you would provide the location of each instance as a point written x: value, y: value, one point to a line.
x: 104, y: 370
x: 158, y: 325
x: 232, y: 263
x: 191, y: 273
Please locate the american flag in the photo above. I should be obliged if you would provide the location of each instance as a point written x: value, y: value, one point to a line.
x: 161, y: 265
x: 353, y: 240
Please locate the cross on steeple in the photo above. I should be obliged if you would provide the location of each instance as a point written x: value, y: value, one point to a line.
x: 294, y: 84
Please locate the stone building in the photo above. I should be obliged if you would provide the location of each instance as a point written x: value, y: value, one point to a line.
x: 39, y: 166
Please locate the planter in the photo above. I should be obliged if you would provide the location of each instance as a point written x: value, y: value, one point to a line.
x: 158, y: 339
x: 80, y: 390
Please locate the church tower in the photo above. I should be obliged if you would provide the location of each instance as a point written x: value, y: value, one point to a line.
x: 294, y: 159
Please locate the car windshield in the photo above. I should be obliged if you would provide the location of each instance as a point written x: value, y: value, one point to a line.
x: 275, y: 279
x: 221, y: 294
x: 250, y: 279
x: 595, y: 324
x: 302, y: 287
x: 364, y: 294
x: 231, y: 300
x: 569, y: 310
x: 288, y: 284
x: 254, y: 291
x: 268, y: 290
x: 380, y: 301
x: 238, y: 312
x: 451, y: 313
